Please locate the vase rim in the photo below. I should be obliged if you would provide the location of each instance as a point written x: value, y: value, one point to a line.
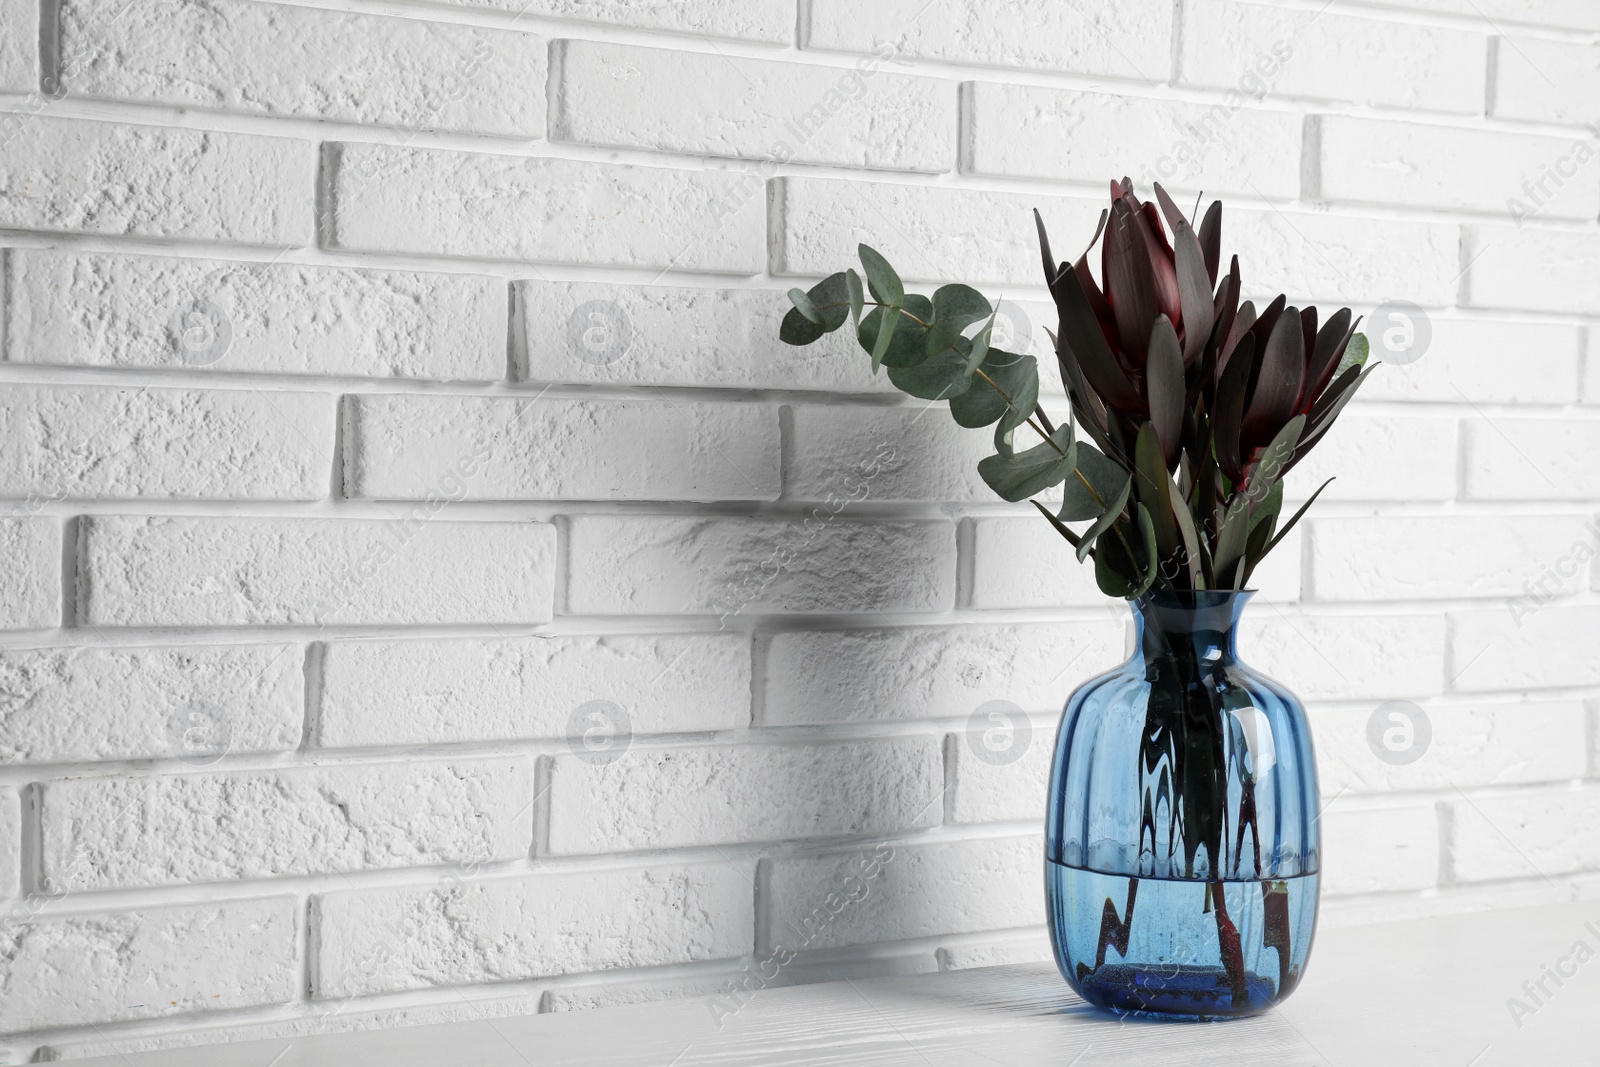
x: 1192, y: 598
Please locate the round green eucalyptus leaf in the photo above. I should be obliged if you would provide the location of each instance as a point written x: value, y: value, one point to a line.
x: 1014, y: 376
x: 907, y: 346
x: 938, y: 377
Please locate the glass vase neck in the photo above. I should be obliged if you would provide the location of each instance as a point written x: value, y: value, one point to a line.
x: 1205, y: 622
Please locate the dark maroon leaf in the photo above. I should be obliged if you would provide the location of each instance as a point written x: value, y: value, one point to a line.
x: 1164, y: 386
x: 1266, y: 321
x: 1211, y: 239
x: 1101, y: 306
x: 1278, y: 380
x: 1229, y: 416
x: 1332, y: 340
x: 1327, y: 409
x: 1150, y: 488
x: 1242, y: 321
x: 1082, y: 341
x: 1162, y: 264
x: 1194, y: 287
x: 1050, y: 269
x: 1130, y: 282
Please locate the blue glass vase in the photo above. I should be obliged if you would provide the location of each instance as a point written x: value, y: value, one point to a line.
x: 1181, y: 849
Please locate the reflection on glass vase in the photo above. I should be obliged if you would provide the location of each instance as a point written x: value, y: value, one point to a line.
x: 1181, y: 850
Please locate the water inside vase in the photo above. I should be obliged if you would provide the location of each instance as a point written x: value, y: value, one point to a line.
x: 1193, y: 949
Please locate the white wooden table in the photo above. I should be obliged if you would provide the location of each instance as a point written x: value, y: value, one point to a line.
x: 1418, y: 993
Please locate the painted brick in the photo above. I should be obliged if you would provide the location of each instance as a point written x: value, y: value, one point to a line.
x: 30, y: 571
x: 304, y: 62
x: 1479, y: 744
x: 1056, y: 134
x: 1360, y: 454
x: 915, y: 453
x: 10, y: 844
x: 1592, y: 707
x: 1591, y: 369
x: 1002, y: 776
x: 701, y: 103
x: 755, y: 20
x: 1536, y: 269
x: 1022, y: 562
x: 1125, y: 40
x: 921, y: 890
x: 71, y: 176
x: 1347, y: 657
x: 193, y: 703
x: 1417, y: 165
x: 1531, y: 458
x: 87, y: 308
x: 1524, y: 835
x: 1411, y: 558
x: 436, y: 692
x: 1030, y: 948
x: 479, y: 448
x: 728, y: 567
x: 148, y: 962
x: 1379, y: 850
x: 1255, y: 49
x: 1331, y: 258
x: 19, y: 53
x: 711, y: 796
x: 1550, y: 81
x: 929, y: 672
x: 593, y: 332
x: 378, y: 940
x: 1467, y: 359
x: 929, y: 233
x: 273, y: 572
x: 73, y: 442
x: 1280, y: 577
x: 1523, y: 645
x: 1570, y: 14
x: 118, y: 833
x: 433, y: 202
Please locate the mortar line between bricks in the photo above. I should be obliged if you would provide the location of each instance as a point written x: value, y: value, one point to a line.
x: 313, y: 129
x: 618, y: 273
x: 612, y: 157
x: 212, y: 634
x: 555, y: 26
x: 853, y: 734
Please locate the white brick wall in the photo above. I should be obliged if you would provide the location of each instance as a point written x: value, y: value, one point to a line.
x: 87, y: 309
x: 699, y: 103
x: 500, y: 929
x: 30, y: 555
x: 236, y: 55
x: 69, y: 176
x: 152, y: 962
x: 721, y: 796
x: 505, y: 689
x: 392, y: 400
x: 177, y: 443
x: 119, y: 832
x: 63, y: 705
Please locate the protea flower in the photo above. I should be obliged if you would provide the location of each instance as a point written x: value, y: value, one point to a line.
x: 1199, y: 405
x: 1125, y: 350
x: 1233, y: 398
